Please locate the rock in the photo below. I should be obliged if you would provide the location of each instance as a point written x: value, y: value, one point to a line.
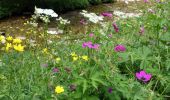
x: 2, y: 33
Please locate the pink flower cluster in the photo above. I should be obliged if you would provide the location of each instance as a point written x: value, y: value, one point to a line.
x: 90, y: 45
x: 120, y: 48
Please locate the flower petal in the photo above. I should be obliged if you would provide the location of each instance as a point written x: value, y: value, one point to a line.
x: 138, y: 76
x: 143, y: 73
x: 147, y: 77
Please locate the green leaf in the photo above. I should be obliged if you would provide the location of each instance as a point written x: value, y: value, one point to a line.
x: 85, y: 85
x: 94, y: 84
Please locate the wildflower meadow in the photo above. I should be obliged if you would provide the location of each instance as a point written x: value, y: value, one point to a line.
x: 115, y: 58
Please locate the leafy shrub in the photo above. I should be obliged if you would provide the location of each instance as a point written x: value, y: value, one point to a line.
x: 15, y: 7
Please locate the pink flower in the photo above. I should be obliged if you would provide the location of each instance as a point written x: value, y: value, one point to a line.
x: 96, y: 46
x: 107, y: 14
x: 86, y: 44
x: 120, y: 48
x: 143, y: 76
x: 110, y: 35
x: 83, y: 22
x: 90, y: 45
x: 146, y: 1
x: 91, y: 35
x: 142, y: 30
x: 55, y: 70
x: 115, y: 27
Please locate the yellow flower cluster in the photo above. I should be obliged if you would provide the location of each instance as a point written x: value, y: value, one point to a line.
x: 75, y: 57
x: 59, y: 89
x: 11, y: 43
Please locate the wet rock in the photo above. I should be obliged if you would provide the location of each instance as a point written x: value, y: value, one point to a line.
x: 2, y: 33
x: 54, y: 31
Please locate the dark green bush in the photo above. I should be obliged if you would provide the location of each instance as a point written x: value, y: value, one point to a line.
x: 15, y: 7
x: 64, y: 5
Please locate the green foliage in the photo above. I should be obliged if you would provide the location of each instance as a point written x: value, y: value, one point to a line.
x: 64, y: 5
x: 15, y: 7
x: 105, y: 75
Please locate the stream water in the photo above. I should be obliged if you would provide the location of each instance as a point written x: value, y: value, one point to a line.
x: 15, y: 24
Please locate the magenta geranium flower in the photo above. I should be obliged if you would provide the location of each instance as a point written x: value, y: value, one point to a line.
x: 116, y: 28
x: 143, y: 76
x: 86, y: 44
x: 90, y: 45
x: 106, y: 14
x: 120, y: 48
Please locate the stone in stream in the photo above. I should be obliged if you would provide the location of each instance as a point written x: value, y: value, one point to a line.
x: 2, y: 32
x: 54, y: 31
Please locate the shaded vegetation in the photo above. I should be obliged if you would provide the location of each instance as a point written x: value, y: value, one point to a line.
x: 18, y: 6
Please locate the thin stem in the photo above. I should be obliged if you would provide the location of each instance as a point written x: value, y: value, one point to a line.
x: 155, y: 85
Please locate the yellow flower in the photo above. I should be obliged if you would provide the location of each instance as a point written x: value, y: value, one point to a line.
x: 73, y: 54
x: 85, y: 58
x: 59, y: 89
x: 58, y: 59
x: 17, y: 41
x: 9, y: 38
x: 45, y: 50
x: 75, y: 58
x: 2, y: 37
x: 8, y: 45
x: 19, y: 48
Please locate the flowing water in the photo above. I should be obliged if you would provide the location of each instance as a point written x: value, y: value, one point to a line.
x: 15, y: 25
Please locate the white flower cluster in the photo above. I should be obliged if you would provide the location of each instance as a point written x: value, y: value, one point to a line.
x: 126, y: 15
x: 48, y: 12
x: 63, y: 21
x: 92, y: 17
x: 44, y: 14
